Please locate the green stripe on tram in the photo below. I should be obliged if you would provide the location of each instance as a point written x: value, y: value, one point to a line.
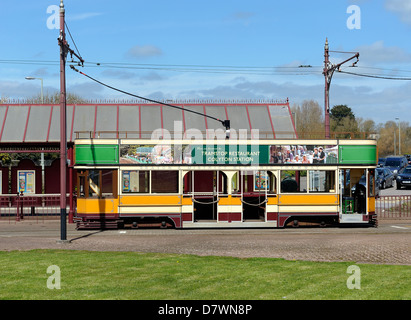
x: 357, y: 154
x: 97, y: 154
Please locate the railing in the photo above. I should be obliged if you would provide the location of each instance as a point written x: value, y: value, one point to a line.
x: 393, y: 207
x: 46, y: 207
x: 35, y: 207
x: 263, y: 135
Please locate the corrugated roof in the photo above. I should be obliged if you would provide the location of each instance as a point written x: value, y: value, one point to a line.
x: 40, y: 123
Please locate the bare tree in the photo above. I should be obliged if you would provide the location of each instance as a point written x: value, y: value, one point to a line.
x: 309, y: 119
x: 54, y: 98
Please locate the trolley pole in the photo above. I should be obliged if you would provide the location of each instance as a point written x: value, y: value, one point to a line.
x: 63, y: 133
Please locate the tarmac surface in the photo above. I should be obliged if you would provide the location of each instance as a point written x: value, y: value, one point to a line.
x: 390, y: 243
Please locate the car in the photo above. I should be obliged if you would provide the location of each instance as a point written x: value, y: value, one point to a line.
x: 385, y: 178
x: 404, y: 178
x: 396, y: 164
x: 381, y: 162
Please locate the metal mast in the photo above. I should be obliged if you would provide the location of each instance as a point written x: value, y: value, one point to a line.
x: 328, y: 72
x: 63, y: 131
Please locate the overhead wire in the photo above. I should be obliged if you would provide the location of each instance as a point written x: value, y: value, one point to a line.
x: 375, y: 76
x: 220, y: 69
x: 72, y: 38
x: 278, y: 70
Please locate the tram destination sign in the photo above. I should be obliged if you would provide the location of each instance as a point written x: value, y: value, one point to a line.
x: 234, y: 154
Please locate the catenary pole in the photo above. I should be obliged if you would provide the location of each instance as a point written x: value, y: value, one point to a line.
x: 63, y: 132
x: 328, y: 72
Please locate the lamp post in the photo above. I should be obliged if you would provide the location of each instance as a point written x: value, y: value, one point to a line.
x: 399, y: 136
x: 32, y: 78
x: 295, y: 122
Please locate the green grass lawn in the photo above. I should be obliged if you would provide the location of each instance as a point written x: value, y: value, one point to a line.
x: 152, y: 276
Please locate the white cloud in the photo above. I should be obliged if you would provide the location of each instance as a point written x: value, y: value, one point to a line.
x: 118, y: 74
x: 144, y: 51
x: 152, y: 76
x: 401, y: 8
x: 379, y: 53
x: 83, y: 16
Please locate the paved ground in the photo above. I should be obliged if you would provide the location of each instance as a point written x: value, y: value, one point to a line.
x: 390, y: 243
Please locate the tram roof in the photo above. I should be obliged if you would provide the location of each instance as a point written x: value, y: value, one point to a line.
x: 22, y: 122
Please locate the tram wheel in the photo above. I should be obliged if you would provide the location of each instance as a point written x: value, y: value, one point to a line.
x: 296, y: 223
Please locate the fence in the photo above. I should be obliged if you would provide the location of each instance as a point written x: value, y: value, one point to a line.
x: 393, y: 207
x: 37, y: 207
x: 42, y: 207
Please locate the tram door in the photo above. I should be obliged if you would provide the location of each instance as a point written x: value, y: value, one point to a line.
x: 355, y: 185
x: 205, y: 197
x: 254, y: 194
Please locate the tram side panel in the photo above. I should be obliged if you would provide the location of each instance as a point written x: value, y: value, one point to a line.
x: 308, y: 208
x: 151, y: 209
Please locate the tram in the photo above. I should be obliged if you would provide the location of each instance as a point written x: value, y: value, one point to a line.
x: 224, y: 183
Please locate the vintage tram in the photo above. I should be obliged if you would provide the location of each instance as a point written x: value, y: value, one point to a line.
x: 213, y: 183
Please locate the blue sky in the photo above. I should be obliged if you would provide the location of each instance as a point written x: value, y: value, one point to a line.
x: 246, y: 50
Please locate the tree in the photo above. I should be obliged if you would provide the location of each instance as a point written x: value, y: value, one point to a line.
x: 343, y: 121
x: 309, y: 119
x: 340, y: 112
x: 388, y: 141
x: 367, y: 126
x: 3, y: 99
x: 54, y: 98
x: 385, y: 143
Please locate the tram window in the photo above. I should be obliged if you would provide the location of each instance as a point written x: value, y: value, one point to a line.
x: 108, y: 183
x: 187, y: 182
x: 293, y: 181
x: 273, y: 183
x: 81, y: 184
x: 97, y: 183
x: 265, y: 181
x: 235, y: 184
x: 135, y: 181
x: 94, y: 183
x: 164, y: 181
x: 371, y: 185
x: 321, y: 181
x: 222, y: 183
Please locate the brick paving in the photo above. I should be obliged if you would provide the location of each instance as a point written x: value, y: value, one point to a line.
x: 390, y: 243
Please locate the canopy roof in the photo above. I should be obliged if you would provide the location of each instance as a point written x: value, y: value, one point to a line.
x: 41, y: 123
